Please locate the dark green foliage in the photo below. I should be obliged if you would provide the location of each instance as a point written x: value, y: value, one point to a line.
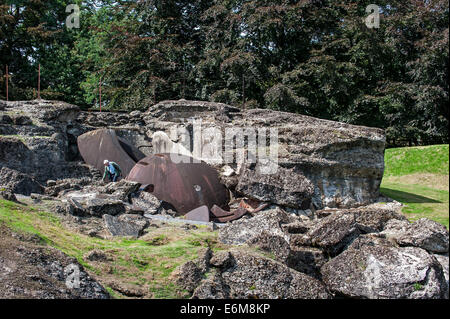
x: 312, y: 57
x: 32, y: 33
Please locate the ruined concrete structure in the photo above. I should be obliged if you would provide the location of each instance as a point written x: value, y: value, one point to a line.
x: 328, y: 164
x: 299, y: 249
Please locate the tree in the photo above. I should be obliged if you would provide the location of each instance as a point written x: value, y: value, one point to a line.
x: 312, y: 57
x: 33, y: 33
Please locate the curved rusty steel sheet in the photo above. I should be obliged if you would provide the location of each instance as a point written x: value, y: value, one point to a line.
x: 96, y: 146
x: 218, y: 212
x: 186, y: 185
x: 253, y: 206
x: 221, y: 216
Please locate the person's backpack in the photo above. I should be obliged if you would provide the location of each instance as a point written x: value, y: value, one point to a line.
x: 117, y: 167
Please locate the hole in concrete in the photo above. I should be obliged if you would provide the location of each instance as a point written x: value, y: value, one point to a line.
x: 149, y: 188
x: 132, y: 152
x: 73, y: 154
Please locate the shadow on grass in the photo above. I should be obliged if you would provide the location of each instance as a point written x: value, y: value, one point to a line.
x: 405, y: 197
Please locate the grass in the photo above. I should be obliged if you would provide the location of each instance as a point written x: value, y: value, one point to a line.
x: 417, y: 160
x: 145, y: 263
x: 418, y: 178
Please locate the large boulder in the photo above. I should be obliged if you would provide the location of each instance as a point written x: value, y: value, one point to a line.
x: 336, y: 231
x: 307, y: 260
x: 147, y: 202
x: 126, y: 225
x: 92, y: 204
x: 122, y: 190
x: 242, y: 230
x: 423, y: 233
x: 285, y: 188
x: 377, y: 269
x: 241, y: 275
x: 102, y: 206
x: 18, y: 182
x: 443, y: 260
x: 333, y: 233
x: 345, y: 163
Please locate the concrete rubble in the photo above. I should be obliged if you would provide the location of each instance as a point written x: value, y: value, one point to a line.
x: 320, y: 234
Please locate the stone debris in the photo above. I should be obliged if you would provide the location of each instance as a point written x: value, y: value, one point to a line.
x: 18, y: 182
x: 375, y: 268
x: 122, y: 190
x: 125, y: 225
x: 8, y: 195
x: 320, y: 234
x: 32, y: 271
x: 97, y: 255
x: 351, y: 252
x: 423, y: 233
x: 241, y: 275
x: 243, y: 230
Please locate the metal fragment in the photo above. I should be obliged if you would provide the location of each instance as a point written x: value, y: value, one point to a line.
x: 200, y: 214
x: 185, y: 184
x: 96, y: 146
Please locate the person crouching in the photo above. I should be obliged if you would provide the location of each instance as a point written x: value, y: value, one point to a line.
x: 112, y: 170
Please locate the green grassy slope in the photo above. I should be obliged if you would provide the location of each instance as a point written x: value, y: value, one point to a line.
x: 413, y: 160
x: 418, y: 178
x: 147, y: 262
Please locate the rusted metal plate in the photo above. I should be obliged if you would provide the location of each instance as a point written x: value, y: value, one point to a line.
x: 186, y: 185
x: 253, y: 206
x: 98, y: 145
x: 236, y: 214
x: 217, y: 212
x: 200, y: 214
